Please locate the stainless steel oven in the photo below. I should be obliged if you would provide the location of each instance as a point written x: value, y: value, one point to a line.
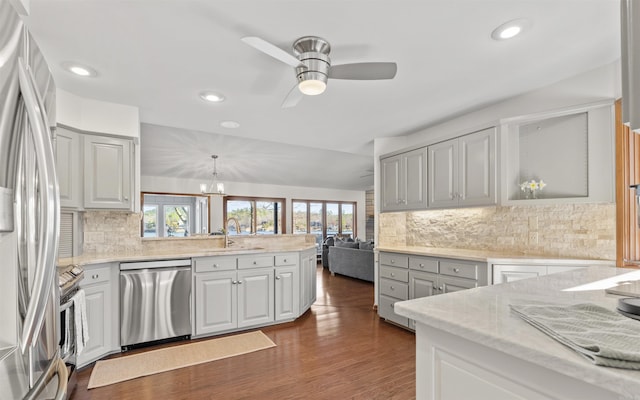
x: 69, y: 278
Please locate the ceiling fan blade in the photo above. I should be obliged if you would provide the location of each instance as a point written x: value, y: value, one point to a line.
x: 364, y: 71
x: 293, y: 98
x: 271, y: 50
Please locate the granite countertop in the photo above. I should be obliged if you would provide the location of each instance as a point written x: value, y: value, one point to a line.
x: 482, y: 315
x: 490, y: 256
x: 89, y: 259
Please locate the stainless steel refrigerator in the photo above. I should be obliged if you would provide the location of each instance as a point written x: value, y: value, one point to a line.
x: 30, y: 365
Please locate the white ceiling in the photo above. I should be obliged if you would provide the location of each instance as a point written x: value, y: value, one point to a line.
x: 159, y: 55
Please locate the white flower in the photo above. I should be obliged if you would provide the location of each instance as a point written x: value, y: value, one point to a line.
x: 533, y: 185
x: 541, y: 184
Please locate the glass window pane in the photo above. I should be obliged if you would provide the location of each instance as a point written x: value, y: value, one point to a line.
x: 333, y: 219
x: 176, y: 220
x: 239, y: 217
x: 315, y: 221
x: 268, y: 217
x: 347, y: 220
x: 299, y: 217
x: 150, y: 221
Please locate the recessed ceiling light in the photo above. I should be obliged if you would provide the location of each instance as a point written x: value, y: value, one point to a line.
x: 510, y: 29
x: 79, y: 69
x: 212, y: 97
x: 230, y: 124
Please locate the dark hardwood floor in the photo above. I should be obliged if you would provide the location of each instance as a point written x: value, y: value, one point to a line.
x: 339, y: 349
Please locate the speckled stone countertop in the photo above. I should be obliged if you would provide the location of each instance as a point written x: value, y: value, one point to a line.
x: 482, y: 315
x: 491, y: 256
x: 160, y: 254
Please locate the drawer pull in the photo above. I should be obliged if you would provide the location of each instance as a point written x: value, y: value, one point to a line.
x: 95, y: 276
x: 392, y: 288
x: 421, y: 265
x: 392, y: 304
x: 215, y: 265
x: 285, y: 260
x: 255, y: 262
x: 393, y: 274
x: 393, y: 261
x: 456, y: 270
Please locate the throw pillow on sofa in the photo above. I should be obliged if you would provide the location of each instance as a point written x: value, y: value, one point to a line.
x: 365, y: 245
x: 350, y: 245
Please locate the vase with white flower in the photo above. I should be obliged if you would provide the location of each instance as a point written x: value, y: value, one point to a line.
x: 531, y: 188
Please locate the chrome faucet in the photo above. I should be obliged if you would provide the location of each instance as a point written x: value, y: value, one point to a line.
x: 227, y: 241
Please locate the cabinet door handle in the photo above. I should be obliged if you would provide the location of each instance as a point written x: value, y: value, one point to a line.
x: 456, y: 270
x: 234, y: 282
x: 441, y: 289
x: 277, y: 277
x: 239, y: 282
x: 285, y: 260
x: 255, y: 262
x: 392, y: 304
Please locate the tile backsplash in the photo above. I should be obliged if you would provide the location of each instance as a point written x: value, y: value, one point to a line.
x: 566, y: 230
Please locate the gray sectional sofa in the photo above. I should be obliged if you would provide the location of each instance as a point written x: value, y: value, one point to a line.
x: 353, y: 259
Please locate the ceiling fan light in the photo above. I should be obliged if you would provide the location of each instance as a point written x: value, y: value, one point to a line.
x: 312, y: 87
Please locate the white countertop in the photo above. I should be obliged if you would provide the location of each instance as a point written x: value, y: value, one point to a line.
x: 89, y: 259
x: 482, y: 315
x: 489, y: 256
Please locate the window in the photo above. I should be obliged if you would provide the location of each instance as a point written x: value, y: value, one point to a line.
x: 248, y: 216
x: 173, y: 215
x: 150, y: 220
x: 324, y: 218
x: 176, y: 220
x: 300, y: 218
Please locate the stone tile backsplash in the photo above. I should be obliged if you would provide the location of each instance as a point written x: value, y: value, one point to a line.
x: 567, y: 230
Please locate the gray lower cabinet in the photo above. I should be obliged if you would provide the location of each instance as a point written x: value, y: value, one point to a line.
x: 307, y: 279
x: 233, y: 295
x: 101, y: 301
x: 287, y: 287
x: 405, y: 277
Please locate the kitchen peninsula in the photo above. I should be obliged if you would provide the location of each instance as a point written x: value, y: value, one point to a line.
x: 255, y: 281
x: 470, y: 345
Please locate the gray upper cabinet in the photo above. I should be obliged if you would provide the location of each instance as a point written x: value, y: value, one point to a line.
x: 403, y: 181
x: 68, y: 161
x: 462, y: 171
x: 108, y: 172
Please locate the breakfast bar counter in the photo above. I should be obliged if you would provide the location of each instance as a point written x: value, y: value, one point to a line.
x: 469, y: 344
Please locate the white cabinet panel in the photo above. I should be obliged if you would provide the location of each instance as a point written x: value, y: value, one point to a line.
x: 255, y: 297
x: 215, y: 302
x: 68, y: 170
x: 287, y: 291
x: 403, y: 181
x: 107, y: 172
x: 462, y: 171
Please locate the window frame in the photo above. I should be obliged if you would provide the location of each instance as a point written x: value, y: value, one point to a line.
x: 324, y: 203
x: 252, y: 199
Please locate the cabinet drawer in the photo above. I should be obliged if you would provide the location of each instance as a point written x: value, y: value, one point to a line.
x: 385, y: 310
x: 255, y: 262
x: 397, y: 274
x: 286, y: 259
x: 459, y: 269
x: 208, y: 264
x: 394, y: 289
x: 423, y: 264
x: 96, y: 275
x: 396, y: 260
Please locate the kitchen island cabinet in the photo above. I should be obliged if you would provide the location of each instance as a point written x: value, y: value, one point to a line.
x: 470, y: 345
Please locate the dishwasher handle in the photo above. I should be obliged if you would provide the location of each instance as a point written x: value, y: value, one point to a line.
x: 152, y: 270
x: 155, y: 264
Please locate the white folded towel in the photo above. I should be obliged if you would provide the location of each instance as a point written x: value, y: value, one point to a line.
x: 80, y: 320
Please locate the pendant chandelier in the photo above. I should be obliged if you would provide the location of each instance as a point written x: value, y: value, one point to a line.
x: 215, y: 188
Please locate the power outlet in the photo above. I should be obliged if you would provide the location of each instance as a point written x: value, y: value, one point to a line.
x: 533, y: 238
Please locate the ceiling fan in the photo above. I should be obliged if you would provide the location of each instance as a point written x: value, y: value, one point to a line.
x: 313, y: 66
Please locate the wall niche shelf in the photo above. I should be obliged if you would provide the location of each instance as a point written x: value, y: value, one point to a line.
x: 564, y: 156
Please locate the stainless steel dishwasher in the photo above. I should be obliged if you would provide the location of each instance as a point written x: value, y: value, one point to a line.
x: 154, y: 301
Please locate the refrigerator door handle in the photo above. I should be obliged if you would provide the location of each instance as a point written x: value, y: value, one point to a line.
x: 56, y: 367
x: 47, y: 246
